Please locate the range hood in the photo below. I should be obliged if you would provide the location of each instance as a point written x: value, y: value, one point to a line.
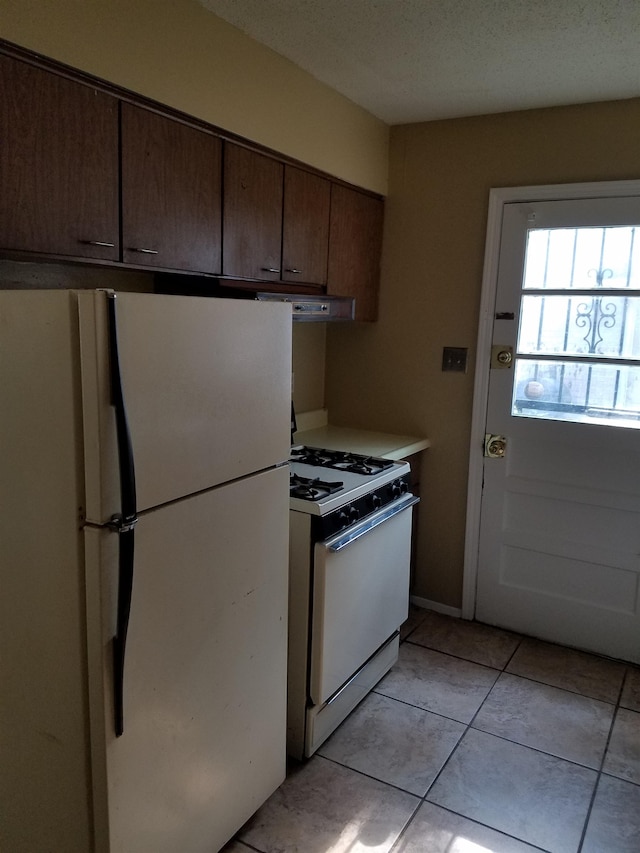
x: 306, y: 307
x: 312, y: 308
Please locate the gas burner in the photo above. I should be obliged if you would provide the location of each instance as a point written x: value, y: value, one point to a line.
x: 312, y: 489
x: 312, y: 456
x: 362, y: 465
x: 341, y: 460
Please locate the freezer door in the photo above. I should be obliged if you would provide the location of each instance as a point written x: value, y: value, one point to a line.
x: 205, y: 672
x: 206, y: 385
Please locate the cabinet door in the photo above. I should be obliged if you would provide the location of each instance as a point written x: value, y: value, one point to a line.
x: 252, y: 214
x: 305, y: 235
x: 171, y: 194
x: 58, y: 165
x: 355, y: 244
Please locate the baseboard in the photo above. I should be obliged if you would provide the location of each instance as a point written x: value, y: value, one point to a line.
x: 427, y: 604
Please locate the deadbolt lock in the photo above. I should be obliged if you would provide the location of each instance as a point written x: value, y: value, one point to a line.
x: 495, y: 446
x: 501, y: 356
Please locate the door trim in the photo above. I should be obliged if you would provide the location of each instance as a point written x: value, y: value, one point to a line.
x: 498, y: 197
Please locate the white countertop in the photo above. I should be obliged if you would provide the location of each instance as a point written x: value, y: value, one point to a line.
x: 315, y: 431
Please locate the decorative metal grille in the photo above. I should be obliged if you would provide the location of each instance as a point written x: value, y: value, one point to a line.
x: 578, y: 354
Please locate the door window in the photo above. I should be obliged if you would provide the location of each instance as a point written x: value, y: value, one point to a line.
x: 578, y: 346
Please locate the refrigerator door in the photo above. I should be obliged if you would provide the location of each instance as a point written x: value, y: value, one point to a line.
x: 206, y: 385
x: 205, y: 673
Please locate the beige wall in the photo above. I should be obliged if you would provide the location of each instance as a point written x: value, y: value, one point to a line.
x: 308, y: 356
x: 388, y: 375
x: 182, y: 55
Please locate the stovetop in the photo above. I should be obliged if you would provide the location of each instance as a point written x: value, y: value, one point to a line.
x: 323, y: 480
x: 340, y: 460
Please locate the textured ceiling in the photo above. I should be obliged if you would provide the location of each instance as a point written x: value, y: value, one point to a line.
x: 419, y: 60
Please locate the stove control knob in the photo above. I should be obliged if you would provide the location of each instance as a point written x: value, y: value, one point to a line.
x: 354, y: 514
x: 375, y: 501
x: 343, y: 518
x: 396, y: 490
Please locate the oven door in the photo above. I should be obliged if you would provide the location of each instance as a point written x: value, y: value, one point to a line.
x: 360, y: 595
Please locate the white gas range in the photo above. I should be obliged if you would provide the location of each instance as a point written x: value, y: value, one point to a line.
x: 350, y: 543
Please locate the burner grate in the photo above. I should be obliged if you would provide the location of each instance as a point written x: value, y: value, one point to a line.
x: 312, y: 489
x: 353, y: 463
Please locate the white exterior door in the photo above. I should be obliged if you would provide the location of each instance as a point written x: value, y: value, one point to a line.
x: 559, y: 542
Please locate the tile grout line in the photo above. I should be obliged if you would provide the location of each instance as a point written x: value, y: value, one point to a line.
x: 592, y: 800
x: 424, y: 710
x: 369, y: 776
x: 419, y: 799
x: 463, y: 735
x: 538, y: 750
x: 597, y: 770
x: 454, y: 750
x: 423, y: 799
x: 519, y: 675
x: 455, y: 657
x: 564, y: 689
x: 459, y: 741
x: 486, y: 826
x: 405, y: 828
x: 248, y: 846
x: 469, y: 726
x: 513, y: 653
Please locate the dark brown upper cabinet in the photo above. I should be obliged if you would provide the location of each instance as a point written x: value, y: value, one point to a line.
x: 276, y: 219
x: 58, y: 165
x: 252, y: 214
x: 171, y: 193
x: 355, y: 245
x: 305, y: 235
x: 90, y: 172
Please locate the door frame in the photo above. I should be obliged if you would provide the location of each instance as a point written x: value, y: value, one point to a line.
x: 498, y: 198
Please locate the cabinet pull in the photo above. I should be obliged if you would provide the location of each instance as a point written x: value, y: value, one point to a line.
x: 270, y: 269
x: 98, y: 243
x: 142, y: 251
x: 297, y: 272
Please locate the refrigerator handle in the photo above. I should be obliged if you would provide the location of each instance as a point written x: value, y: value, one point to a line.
x: 125, y: 449
x: 124, y: 523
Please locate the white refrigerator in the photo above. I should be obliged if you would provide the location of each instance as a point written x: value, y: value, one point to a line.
x: 143, y: 568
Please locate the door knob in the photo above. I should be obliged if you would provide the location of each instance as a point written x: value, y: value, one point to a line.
x: 495, y: 446
x: 501, y: 356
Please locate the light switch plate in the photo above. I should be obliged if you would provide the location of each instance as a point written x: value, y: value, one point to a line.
x: 455, y: 359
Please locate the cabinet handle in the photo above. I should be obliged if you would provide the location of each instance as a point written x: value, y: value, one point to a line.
x: 297, y: 272
x: 98, y: 243
x: 142, y: 251
x: 270, y: 269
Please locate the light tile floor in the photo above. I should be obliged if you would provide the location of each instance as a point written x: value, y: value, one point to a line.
x: 477, y: 741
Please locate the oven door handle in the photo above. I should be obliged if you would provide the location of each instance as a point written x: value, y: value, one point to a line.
x: 368, y: 524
